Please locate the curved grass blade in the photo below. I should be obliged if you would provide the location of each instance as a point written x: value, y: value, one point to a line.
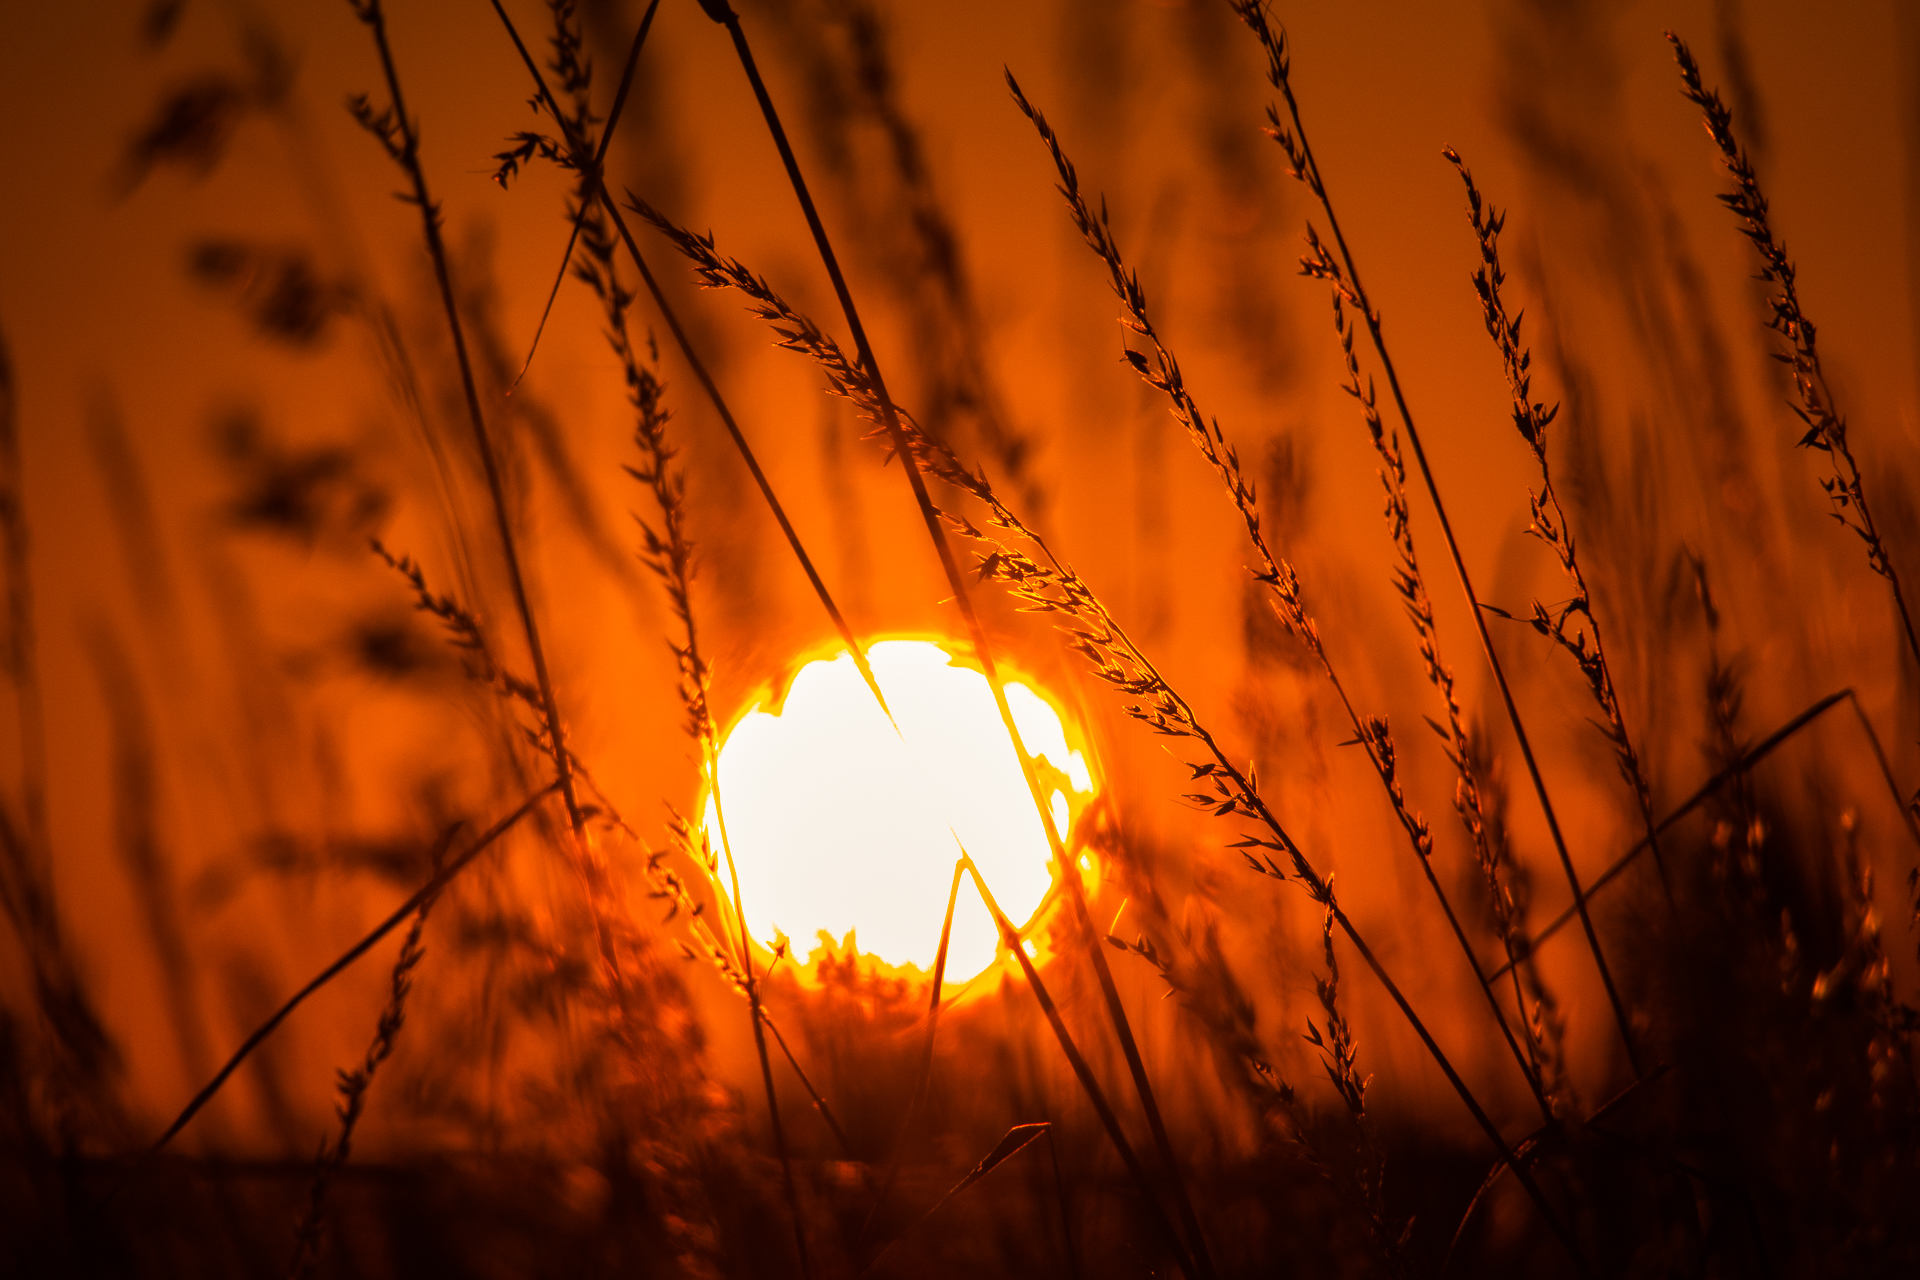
x: 424, y: 894
x: 1017, y: 1139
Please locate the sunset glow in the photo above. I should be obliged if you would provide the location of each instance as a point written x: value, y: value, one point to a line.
x: 838, y: 825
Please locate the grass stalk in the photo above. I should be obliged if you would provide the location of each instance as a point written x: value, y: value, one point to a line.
x: 1826, y: 428
x: 1550, y: 523
x: 664, y: 884
x: 721, y: 13
x: 1162, y: 373
x: 1292, y: 137
x: 1525, y: 1150
x: 669, y: 553
x: 464, y: 632
x: 820, y: 1106
x: 586, y: 197
x: 352, y: 1085
x: 396, y: 132
x: 577, y: 148
x: 426, y: 893
x: 1017, y: 1139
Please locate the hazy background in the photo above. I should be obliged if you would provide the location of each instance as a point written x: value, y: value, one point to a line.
x: 248, y: 734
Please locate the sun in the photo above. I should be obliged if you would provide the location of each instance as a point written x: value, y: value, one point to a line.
x: 838, y: 824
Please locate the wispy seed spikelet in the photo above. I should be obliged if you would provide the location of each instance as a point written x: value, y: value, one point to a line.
x: 1573, y: 625
x: 573, y: 73
x: 395, y: 131
x: 352, y: 1085
x: 665, y: 548
x: 1290, y: 134
x: 583, y: 157
x: 667, y: 551
x: 1336, y: 1046
x: 664, y: 884
x: 1161, y: 370
x: 465, y: 633
x: 1826, y: 428
x: 1208, y: 992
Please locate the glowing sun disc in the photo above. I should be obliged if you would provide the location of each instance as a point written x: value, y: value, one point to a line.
x: 836, y: 825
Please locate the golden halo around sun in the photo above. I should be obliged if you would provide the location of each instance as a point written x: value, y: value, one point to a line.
x: 837, y: 824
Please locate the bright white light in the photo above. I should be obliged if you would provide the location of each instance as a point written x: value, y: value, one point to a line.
x: 836, y: 825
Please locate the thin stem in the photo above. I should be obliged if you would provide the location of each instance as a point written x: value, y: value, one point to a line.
x: 1748, y: 759
x: 353, y: 1085
x: 819, y: 1103
x: 926, y: 1055
x: 1307, y: 170
x: 406, y: 153
x: 596, y: 179
x: 1520, y: 1173
x: 1550, y: 523
x: 426, y: 893
x: 1163, y: 374
x: 1084, y: 1073
x: 982, y: 648
x: 759, y: 1035
x: 1526, y: 1149
x: 1826, y: 428
x: 596, y: 168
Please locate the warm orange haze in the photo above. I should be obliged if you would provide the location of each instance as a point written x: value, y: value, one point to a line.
x: 1367, y: 552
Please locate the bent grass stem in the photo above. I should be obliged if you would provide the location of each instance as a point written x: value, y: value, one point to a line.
x: 405, y: 152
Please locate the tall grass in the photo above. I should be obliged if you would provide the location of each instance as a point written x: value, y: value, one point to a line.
x: 1369, y: 1075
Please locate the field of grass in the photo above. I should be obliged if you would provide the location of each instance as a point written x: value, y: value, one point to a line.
x: 1482, y: 582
